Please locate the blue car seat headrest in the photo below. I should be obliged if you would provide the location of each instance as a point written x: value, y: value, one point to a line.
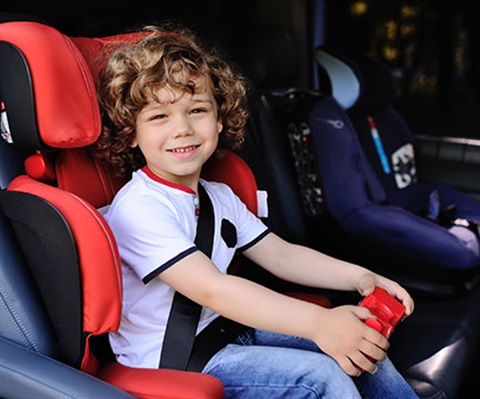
x: 378, y: 85
x: 358, y: 83
x: 342, y: 81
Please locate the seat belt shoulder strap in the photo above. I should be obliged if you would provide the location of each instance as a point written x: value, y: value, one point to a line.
x: 185, y: 314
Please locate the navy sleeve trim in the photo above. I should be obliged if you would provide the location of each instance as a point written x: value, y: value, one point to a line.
x: 150, y: 276
x: 253, y: 242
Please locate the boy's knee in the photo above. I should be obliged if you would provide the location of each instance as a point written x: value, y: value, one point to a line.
x: 327, y: 379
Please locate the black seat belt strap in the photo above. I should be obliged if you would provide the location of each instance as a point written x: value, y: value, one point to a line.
x: 185, y: 314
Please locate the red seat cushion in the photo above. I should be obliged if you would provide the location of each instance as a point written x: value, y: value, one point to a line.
x: 162, y: 383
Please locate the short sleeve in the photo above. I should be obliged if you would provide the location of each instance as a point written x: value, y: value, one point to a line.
x: 151, y: 234
x: 249, y: 227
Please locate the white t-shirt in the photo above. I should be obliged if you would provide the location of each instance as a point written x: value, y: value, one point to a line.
x: 154, y: 223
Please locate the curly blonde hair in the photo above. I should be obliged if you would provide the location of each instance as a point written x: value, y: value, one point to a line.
x: 163, y: 57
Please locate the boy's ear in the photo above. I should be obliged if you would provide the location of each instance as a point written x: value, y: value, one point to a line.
x: 219, y: 126
x: 133, y: 144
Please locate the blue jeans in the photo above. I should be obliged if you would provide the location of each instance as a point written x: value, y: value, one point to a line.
x: 265, y: 365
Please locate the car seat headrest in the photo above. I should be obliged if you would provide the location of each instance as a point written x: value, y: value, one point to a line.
x: 358, y: 82
x: 341, y: 80
x: 96, y: 51
x: 48, y: 97
x: 269, y: 57
x: 378, y: 85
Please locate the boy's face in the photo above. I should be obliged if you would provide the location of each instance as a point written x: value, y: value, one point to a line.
x: 178, y: 133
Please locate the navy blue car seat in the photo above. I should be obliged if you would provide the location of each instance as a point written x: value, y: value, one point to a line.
x: 365, y: 156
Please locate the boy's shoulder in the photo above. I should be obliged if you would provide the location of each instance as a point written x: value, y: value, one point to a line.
x: 217, y: 188
x: 214, y: 185
x: 139, y: 190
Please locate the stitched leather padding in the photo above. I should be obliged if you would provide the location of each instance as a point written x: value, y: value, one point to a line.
x: 67, y: 110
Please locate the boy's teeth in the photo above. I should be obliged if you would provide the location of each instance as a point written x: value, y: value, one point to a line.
x: 184, y: 149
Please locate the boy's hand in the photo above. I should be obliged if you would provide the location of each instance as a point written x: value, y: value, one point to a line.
x: 347, y: 339
x: 367, y: 283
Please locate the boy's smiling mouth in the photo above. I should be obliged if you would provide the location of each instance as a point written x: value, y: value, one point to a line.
x: 182, y: 150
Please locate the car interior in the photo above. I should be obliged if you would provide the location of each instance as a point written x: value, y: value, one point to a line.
x: 446, y: 297
x: 341, y: 169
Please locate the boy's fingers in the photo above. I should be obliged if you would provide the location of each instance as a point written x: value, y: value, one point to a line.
x: 366, y: 284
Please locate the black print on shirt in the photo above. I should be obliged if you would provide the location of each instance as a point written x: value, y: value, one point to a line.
x: 229, y: 233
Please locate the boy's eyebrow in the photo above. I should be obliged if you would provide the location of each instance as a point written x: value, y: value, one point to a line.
x: 202, y: 100
x: 197, y: 99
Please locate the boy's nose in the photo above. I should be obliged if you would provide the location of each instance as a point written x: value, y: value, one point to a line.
x: 182, y: 126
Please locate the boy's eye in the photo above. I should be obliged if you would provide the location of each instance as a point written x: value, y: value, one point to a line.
x: 157, y: 116
x: 198, y: 110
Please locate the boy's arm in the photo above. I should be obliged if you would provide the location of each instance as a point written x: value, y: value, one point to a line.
x: 339, y: 332
x: 305, y: 266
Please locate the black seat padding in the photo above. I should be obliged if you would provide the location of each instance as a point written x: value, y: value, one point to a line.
x: 28, y: 374
x: 437, y: 348
x: 266, y: 149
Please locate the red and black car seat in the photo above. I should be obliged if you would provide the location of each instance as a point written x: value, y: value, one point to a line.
x: 50, y: 111
x: 50, y: 114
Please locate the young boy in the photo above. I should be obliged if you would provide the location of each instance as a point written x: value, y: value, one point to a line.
x: 169, y: 104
